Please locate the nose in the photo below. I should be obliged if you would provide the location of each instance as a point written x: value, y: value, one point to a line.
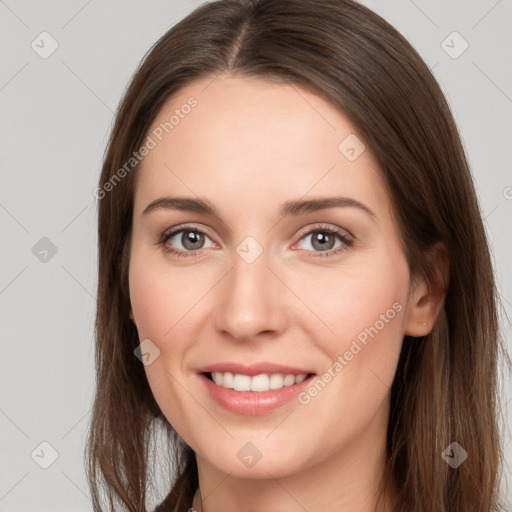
x: 253, y: 301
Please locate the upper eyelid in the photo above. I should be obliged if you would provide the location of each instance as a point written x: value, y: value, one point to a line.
x: 186, y: 227
x: 319, y: 226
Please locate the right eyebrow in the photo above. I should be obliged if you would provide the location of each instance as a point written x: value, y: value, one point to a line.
x: 186, y: 204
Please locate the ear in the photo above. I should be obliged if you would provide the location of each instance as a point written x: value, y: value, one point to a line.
x: 132, y: 317
x: 427, y: 294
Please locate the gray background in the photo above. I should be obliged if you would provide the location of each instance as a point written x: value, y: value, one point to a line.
x: 55, y: 114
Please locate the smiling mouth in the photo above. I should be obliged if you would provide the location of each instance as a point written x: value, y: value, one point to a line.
x: 258, y: 383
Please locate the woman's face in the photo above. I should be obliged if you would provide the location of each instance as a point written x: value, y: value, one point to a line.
x: 268, y: 283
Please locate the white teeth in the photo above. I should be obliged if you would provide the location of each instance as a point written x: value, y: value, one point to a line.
x: 227, y: 381
x: 262, y: 382
x: 276, y: 381
x: 289, y: 380
x: 242, y: 382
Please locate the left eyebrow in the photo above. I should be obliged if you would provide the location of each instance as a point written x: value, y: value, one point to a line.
x: 300, y: 206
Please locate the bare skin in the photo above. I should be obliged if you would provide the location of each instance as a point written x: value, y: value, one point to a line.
x: 248, y: 147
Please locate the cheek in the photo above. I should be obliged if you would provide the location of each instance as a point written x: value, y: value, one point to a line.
x: 161, y: 298
x: 160, y: 302
x: 371, y: 309
x: 364, y: 310
x: 360, y: 302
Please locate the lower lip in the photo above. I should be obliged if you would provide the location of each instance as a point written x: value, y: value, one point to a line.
x: 253, y: 402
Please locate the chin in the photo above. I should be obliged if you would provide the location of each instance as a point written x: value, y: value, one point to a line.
x: 256, y: 459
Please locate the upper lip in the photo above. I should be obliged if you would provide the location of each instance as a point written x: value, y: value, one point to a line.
x: 253, y: 369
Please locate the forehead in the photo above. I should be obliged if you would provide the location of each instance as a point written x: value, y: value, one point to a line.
x: 245, y: 138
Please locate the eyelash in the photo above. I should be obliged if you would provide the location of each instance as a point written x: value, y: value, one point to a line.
x: 346, y: 240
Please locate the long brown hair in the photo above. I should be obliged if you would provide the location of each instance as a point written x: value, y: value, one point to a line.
x: 446, y: 384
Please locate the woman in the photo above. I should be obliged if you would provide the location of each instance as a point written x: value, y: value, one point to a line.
x: 294, y: 279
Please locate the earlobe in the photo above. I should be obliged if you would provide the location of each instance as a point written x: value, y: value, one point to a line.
x: 132, y: 318
x: 419, y: 319
x: 428, y: 295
